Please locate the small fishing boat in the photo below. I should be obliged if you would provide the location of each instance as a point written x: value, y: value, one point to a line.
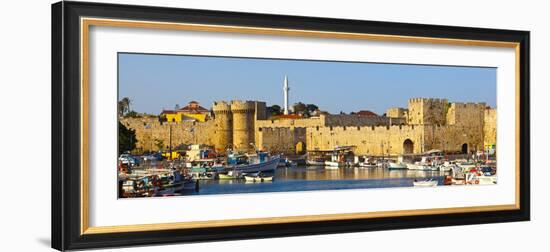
x: 205, y: 169
x: 367, y: 165
x: 230, y: 175
x: 425, y: 183
x: 259, y: 177
x: 338, y: 158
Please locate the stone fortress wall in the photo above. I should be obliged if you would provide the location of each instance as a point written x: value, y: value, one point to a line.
x: 243, y: 125
x: 151, y: 133
x: 490, y: 127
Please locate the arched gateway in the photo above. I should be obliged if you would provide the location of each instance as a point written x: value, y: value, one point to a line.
x: 408, y: 146
x: 465, y: 148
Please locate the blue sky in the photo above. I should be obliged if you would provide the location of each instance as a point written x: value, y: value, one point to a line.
x: 154, y: 82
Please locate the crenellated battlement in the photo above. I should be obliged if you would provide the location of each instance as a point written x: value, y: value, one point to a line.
x: 221, y: 106
x: 242, y: 106
x: 427, y: 111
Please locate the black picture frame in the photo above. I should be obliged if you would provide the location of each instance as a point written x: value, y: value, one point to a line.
x: 66, y: 125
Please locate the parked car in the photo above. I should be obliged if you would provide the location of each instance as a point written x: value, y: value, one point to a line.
x: 128, y: 159
x: 487, y: 170
x: 153, y: 157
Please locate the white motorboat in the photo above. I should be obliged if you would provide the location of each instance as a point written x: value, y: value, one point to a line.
x: 425, y: 183
x: 315, y: 162
x: 422, y: 167
x: 426, y: 164
x: 335, y: 164
x: 397, y: 166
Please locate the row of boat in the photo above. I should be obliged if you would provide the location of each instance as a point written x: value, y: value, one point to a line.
x: 176, y: 180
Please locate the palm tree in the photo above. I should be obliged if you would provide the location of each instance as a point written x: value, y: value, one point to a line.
x: 126, y: 103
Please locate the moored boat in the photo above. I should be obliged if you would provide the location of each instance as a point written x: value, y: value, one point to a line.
x: 367, y: 165
x: 425, y: 183
x: 315, y: 162
x: 258, y: 179
x: 334, y: 164
x: 230, y: 175
x: 204, y: 168
x: 397, y: 166
x: 426, y: 164
x: 260, y: 163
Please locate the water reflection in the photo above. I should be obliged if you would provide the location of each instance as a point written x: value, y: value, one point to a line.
x: 319, y: 178
x: 351, y: 173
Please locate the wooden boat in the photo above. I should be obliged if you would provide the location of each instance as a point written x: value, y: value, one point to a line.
x: 258, y: 178
x: 425, y: 183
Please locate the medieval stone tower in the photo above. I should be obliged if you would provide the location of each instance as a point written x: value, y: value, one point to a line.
x: 428, y: 111
x: 243, y: 125
x: 223, y: 135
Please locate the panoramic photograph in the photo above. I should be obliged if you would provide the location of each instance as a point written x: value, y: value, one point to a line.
x: 200, y: 125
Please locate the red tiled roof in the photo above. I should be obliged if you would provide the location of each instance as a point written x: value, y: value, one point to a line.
x: 197, y: 109
x: 193, y: 107
x: 366, y: 113
x: 164, y: 111
x: 291, y: 116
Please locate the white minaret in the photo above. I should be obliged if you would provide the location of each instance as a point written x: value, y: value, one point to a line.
x: 285, y: 92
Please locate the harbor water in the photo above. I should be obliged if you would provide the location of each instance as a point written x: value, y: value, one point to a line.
x: 302, y: 178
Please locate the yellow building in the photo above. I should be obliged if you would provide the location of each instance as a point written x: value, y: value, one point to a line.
x: 192, y: 112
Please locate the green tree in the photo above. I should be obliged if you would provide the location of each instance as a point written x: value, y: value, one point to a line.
x: 132, y: 114
x: 311, y: 108
x: 274, y: 110
x: 126, y: 139
x: 300, y: 109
